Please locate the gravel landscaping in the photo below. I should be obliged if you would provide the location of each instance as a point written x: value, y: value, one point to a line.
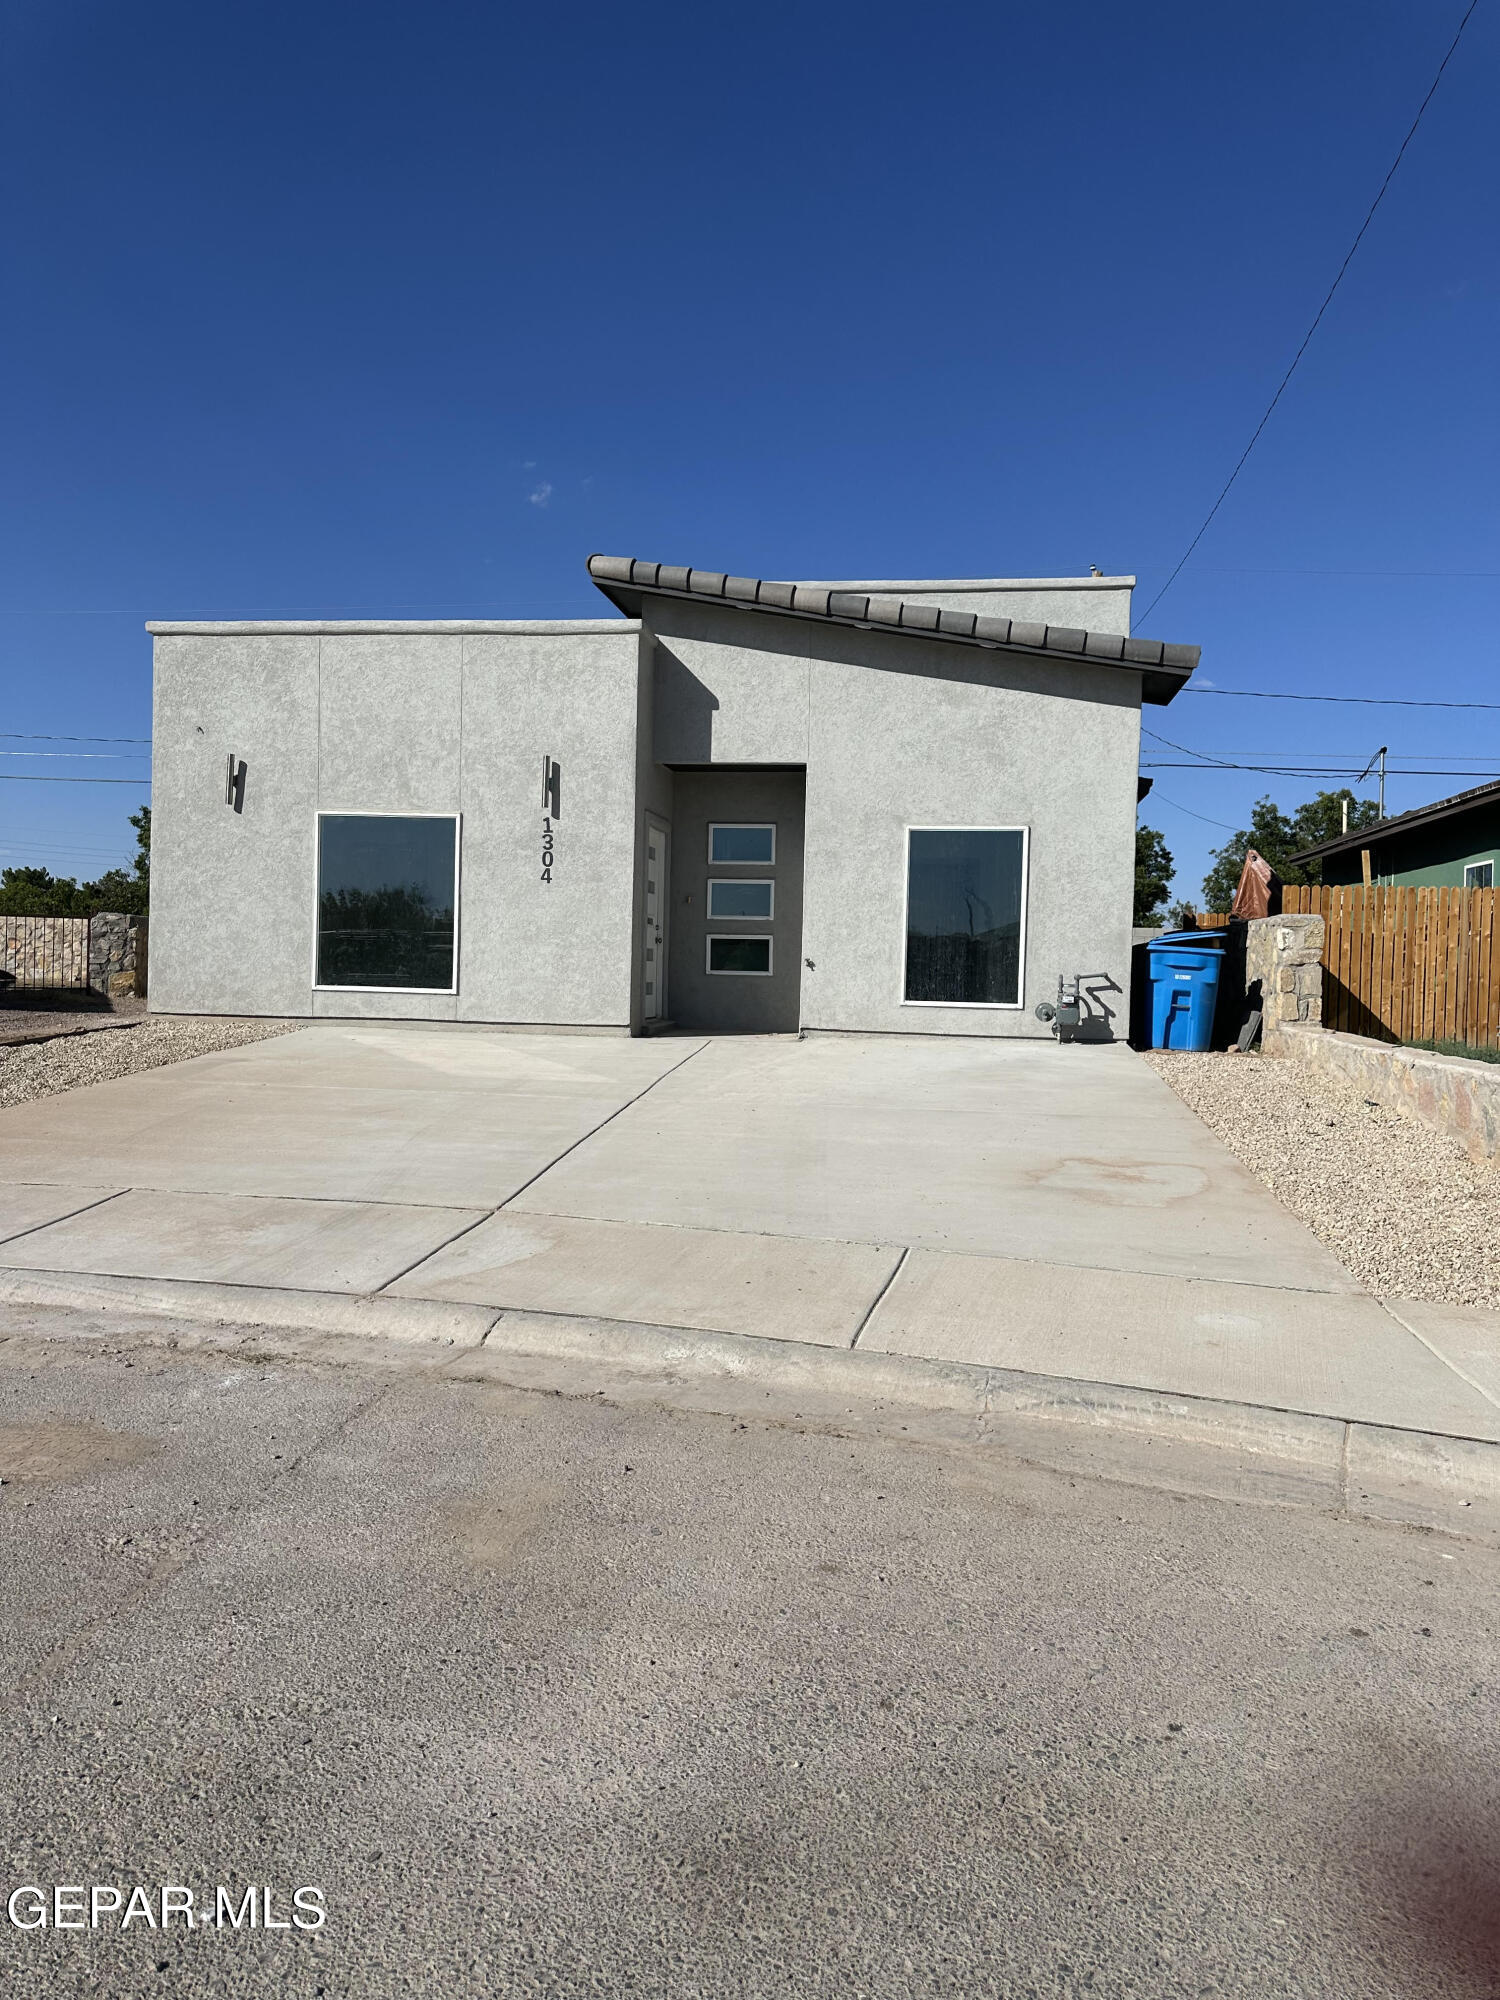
x: 39, y: 1069
x: 1403, y: 1206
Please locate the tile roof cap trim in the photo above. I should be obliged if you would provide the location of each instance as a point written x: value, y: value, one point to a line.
x: 859, y: 608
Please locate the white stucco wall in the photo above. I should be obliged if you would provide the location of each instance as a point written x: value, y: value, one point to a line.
x: 1091, y: 603
x: 397, y: 719
x: 893, y: 730
x: 898, y: 731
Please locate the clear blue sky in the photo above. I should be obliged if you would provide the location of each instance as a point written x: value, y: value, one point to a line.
x: 403, y: 310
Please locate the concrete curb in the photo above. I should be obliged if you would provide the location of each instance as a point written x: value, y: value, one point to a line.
x: 408, y: 1322
x: 1179, y: 1443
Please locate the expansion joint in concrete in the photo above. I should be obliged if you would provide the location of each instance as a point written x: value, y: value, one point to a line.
x: 584, y: 1138
x: 47, y: 1222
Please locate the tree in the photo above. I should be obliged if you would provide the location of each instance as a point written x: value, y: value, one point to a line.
x: 141, y: 821
x: 1153, y: 875
x: 1277, y: 836
x: 37, y: 892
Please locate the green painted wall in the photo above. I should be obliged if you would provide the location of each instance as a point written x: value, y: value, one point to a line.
x: 1426, y: 856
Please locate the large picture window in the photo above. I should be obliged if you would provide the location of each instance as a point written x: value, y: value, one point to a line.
x: 965, y: 916
x: 387, y: 901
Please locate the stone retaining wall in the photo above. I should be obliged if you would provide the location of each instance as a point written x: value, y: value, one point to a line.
x: 1449, y: 1093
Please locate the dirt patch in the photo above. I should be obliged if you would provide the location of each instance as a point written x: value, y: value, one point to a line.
x: 55, y: 1454
x: 1404, y: 1207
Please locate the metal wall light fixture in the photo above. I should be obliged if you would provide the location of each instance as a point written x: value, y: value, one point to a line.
x: 234, y: 783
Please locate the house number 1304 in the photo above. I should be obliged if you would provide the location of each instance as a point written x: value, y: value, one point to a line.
x: 551, y: 810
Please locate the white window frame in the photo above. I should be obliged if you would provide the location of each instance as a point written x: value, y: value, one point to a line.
x: 740, y: 882
x: 967, y: 1006
x: 741, y: 826
x: 383, y: 812
x: 737, y: 972
x: 1470, y: 866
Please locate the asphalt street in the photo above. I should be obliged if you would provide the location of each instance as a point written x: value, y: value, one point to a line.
x: 549, y: 1697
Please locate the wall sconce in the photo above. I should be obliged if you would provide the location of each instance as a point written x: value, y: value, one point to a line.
x: 234, y: 783
x: 551, y: 788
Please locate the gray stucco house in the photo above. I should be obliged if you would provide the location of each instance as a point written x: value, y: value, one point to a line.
x: 739, y: 806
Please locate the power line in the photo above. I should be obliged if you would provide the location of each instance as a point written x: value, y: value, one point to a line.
x: 45, y: 847
x: 1220, y: 569
x: 1310, y: 767
x: 1349, y: 771
x: 21, y: 736
x: 1317, y: 319
x: 80, y: 756
x: 1162, y: 799
x: 26, y: 778
x: 1347, y: 700
x: 1334, y: 756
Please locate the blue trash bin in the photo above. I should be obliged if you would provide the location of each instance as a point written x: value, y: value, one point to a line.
x: 1185, y: 987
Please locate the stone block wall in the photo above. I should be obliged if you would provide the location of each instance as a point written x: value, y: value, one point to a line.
x: 111, y: 951
x: 1284, y: 956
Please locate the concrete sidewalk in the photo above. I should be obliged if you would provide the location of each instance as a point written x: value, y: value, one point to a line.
x: 967, y: 1211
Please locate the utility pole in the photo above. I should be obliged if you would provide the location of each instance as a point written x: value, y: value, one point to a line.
x: 1382, y: 781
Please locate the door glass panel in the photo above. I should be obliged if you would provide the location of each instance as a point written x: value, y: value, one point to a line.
x: 963, y: 916
x: 386, y: 901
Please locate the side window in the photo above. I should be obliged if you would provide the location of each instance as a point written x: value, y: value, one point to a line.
x: 737, y: 897
x: 740, y: 954
x: 751, y: 845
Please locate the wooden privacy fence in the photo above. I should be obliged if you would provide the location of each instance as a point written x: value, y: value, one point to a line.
x: 1408, y: 965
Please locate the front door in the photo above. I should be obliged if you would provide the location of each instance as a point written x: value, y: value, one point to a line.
x: 653, y: 930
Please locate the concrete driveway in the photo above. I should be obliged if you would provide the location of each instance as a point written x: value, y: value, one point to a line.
x: 1020, y: 1205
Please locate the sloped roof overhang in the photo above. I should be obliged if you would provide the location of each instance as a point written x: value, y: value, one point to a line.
x: 1163, y: 668
x: 1385, y: 829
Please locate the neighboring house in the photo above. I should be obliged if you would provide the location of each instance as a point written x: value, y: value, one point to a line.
x: 742, y: 806
x: 1454, y: 843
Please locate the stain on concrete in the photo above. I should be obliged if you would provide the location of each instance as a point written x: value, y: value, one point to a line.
x: 494, y: 1534
x: 1123, y: 1183
x: 63, y: 1454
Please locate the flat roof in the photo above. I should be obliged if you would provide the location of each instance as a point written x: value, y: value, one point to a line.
x: 1089, y: 582
x: 213, y: 628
